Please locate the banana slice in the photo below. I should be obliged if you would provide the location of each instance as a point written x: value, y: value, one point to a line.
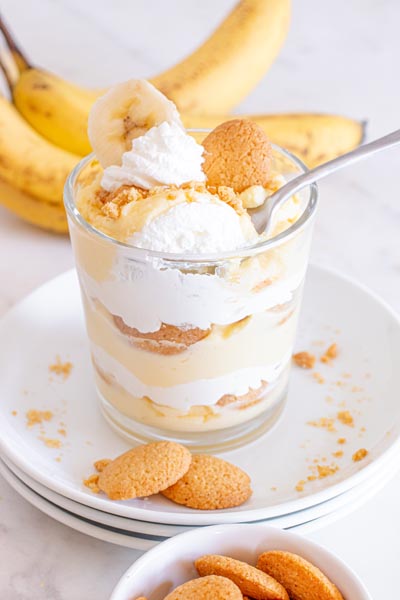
x: 124, y: 113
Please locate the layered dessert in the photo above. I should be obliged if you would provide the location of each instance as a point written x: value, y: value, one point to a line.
x: 191, y: 313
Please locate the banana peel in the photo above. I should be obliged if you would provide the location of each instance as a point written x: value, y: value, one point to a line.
x: 50, y: 216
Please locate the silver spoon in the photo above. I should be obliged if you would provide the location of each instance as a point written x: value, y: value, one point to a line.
x: 263, y: 217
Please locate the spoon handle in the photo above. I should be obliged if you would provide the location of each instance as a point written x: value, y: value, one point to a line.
x: 323, y: 170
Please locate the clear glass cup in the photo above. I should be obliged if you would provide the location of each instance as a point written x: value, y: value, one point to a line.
x: 195, y: 349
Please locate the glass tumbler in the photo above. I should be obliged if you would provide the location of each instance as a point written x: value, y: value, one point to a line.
x: 191, y: 348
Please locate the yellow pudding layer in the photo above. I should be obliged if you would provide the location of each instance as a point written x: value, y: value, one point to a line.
x: 262, y: 339
x: 197, y: 419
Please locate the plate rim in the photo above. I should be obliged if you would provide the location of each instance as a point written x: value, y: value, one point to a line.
x: 206, y: 517
x: 365, y: 489
x: 65, y: 518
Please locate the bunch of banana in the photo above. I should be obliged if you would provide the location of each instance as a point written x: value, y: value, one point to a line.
x: 216, y: 77
x: 51, y: 114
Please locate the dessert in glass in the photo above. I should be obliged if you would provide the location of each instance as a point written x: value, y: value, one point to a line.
x: 191, y: 314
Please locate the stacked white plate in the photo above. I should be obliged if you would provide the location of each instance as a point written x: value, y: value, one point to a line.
x: 47, y: 463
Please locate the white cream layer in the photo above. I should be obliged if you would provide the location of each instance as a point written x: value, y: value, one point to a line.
x: 202, y: 392
x: 146, y: 297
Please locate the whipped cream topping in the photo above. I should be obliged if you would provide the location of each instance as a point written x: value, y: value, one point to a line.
x: 205, y: 224
x: 164, y: 155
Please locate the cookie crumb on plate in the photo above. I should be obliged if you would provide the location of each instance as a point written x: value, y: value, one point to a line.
x: 359, y: 454
x: 60, y: 368
x: 34, y: 417
x: 305, y: 360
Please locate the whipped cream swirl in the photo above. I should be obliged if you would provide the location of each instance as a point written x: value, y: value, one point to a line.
x: 164, y: 155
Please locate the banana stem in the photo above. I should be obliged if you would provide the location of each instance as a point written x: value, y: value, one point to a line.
x: 21, y: 61
x: 8, y: 75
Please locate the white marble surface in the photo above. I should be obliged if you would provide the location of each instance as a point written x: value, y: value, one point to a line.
x: 341, y: 57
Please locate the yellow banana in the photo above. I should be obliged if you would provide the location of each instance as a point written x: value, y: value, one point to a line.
x: 57, y: 109
x: 314, y: 138
x: 221, y: 72
x: 214, y: 78
x: 28, y: 161
x: 47, y: 215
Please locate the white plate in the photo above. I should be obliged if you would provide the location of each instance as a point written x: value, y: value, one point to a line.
x: 49, y: 322
x: 311, y: 517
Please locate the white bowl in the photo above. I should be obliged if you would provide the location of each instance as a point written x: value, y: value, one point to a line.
x: 170, y: 563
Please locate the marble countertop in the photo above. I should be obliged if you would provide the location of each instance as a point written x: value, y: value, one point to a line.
x: 339, y: 58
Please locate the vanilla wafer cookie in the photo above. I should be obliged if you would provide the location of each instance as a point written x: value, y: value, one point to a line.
x: 209, y: 484
x: 302, y: 579
x: 206, y: 588
x: 251, y: 581
x: 237, y: 154
x: 144, y: 470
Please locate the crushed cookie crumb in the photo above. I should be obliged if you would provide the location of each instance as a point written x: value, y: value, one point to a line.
x: 345, y: 418
x: 273, y: 488
x: 111, y: 204
x: 338, y: 454
x: 60, y: 368
x: 323, y: 423
x: 34, y: 417
x: 262, y: 285
x: 326, y: 470
x: 318, y: 471
x: 329, y: 354
x: 14, y: 413
x: 341, y: 440
x: 51, y: 442
x: 329, y: 400
x: 101, y: 464
x: 356, y: 388
x: 318, y: 377
x: 111, y: 210
x: 305, y: 360
x: 91, y: 483
x: 359, y: 455
x: 228, y: 195
x: 62, y: 431
x: 286, y: 317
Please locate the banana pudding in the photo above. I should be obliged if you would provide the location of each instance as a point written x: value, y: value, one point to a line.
x: 191, y: 314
